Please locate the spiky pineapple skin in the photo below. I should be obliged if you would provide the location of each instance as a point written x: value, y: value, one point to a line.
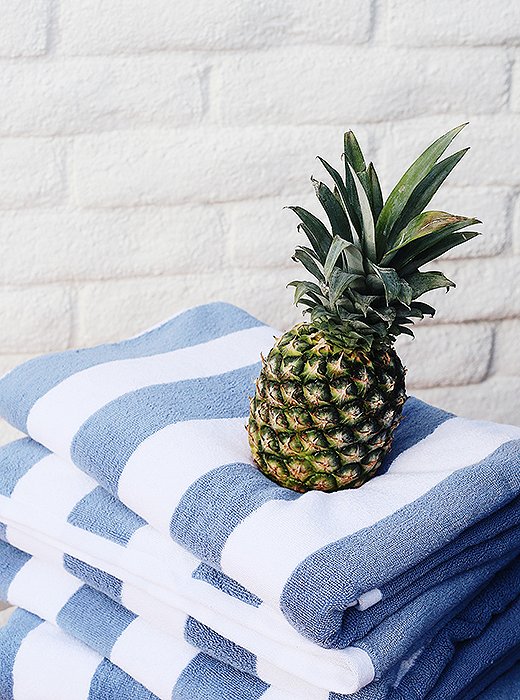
x: 324, y: 413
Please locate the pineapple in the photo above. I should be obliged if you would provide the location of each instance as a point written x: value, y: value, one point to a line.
x: 331, y: 391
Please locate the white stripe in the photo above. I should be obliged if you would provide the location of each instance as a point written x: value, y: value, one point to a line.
x: 286, y: 532
x: 262, y: 630
x: 151, y: 657
x: 52, y: 666
x: 166, y: 464
x: 53, y: 486
x: 54, y: 588
x: 56, y: 417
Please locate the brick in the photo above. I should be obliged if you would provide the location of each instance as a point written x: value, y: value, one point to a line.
x: 96, y: 27
x: 32, y: 172
x: 516, y: 227
x: 64, y: 244
x: 506, y: 359
x: 91, y: 94
x: 446, y: 355
x: 474, y: 22
x: 496, y: 399
x: 380, y: 84
x: 492, y: 159
x: 35, y: 319
x: 188, y: 165
x: 487, y: 289
x: 262, y: 233
x: 116, y: 309
x: 24, y: 28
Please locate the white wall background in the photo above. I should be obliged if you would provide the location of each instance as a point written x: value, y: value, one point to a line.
x: 147, y: 148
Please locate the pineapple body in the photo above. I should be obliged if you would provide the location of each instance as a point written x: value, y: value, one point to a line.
x: 324, y: 411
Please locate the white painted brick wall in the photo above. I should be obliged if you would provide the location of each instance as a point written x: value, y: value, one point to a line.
x: 147, y: 148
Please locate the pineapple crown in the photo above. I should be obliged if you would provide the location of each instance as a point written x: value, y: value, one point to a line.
x: 367, y: 265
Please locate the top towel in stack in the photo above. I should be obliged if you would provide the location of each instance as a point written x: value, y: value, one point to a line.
x: 137, y: 480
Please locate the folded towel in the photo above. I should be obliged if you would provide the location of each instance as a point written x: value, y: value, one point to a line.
x: 158, y: 420
x: 99, y: 540
x: 39, y: 662
x: 122, y: 636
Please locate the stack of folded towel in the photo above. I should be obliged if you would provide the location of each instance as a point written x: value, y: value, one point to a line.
x: 150, y: 559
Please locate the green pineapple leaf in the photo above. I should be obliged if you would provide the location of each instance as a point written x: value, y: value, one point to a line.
x: 400, y: 195
x: 302, y: 288
x: 424, y: 191
x: 374, y: 191
x: 340, y: 281
x: 352, y: 152
x: 390, y: 281
x: 422, y: 282
x: 346, y: 192
x: 436, y: 250
x: 315, y: 230
x: 425, y: 224
x: 368, y: 231
x: 337, y: 246
x: 336, y: 215
x: 303, y: 256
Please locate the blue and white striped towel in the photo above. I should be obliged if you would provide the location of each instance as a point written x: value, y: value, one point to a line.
x: 95, y: 537
x: 40, y: 662
x: 159, y: 419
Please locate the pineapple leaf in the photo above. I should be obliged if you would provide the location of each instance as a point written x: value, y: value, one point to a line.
x: 425, y: 309
x: 368, y: 231
x: 308, y: 262
x: 362, y: 302
x: 354, y: 259
x: 345, y: 192
x: 339, y: 282
x: 400, y: 195
x: 338, y: 245
x: 316, y: 231
x: 424, y: 191
x: 413, y: 252
x: 339, y: 222
x: 304, y: 287
x: 374, y: 191
x: 352, y: 151
x: 425, y: 224
x: 436, y: 250
x: 405, y: 330
x: 390, y: 281
x: 422, y: 282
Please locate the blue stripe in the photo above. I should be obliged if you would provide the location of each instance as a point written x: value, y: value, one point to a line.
x: 239, y: 489
x: 111, y: 683
x: 11, y: 638
x: 213, y: 644
x: 334, y: 575
x: 105, y: 442
x: 100, y: 580
x: 16, y: 459
x: 21, y: 388
x: 11, y: 561
x: 99, y: 512
x: 419, y: 420
x: 94, y: 619
x: 209, y: 679
x: 218, y: 580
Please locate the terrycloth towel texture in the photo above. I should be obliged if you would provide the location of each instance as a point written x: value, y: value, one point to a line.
x: 143, y: 650
x: 158, y: 420
x: 92, y: 535
x: 40, y: 662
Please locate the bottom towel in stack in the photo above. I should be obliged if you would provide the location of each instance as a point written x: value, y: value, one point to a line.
x: 77, y: 643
